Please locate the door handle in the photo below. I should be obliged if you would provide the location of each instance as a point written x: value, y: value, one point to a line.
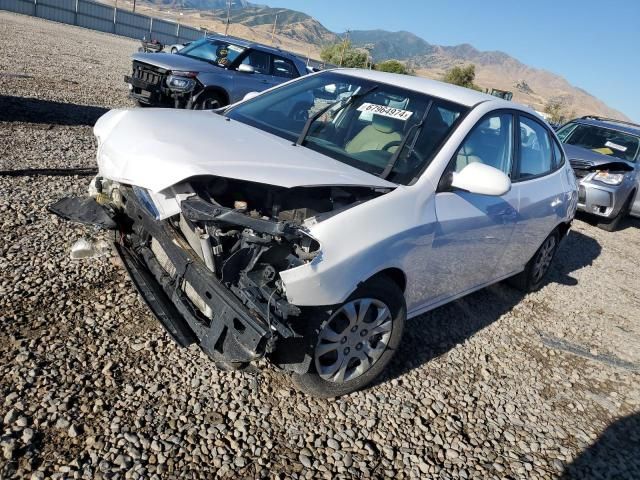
x: 556, y: 201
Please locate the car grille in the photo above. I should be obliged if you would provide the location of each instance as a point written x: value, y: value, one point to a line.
x: 148, y: 73
x: 168, y: 266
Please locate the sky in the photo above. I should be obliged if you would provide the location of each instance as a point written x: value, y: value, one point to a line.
x: 594, y: 44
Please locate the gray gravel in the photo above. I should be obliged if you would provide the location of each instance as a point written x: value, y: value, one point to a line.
x: 495, y: 385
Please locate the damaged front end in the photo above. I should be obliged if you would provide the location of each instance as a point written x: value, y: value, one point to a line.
x: 206, y: 256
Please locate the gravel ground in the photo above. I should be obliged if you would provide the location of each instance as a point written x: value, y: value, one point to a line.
x: 495, y: 385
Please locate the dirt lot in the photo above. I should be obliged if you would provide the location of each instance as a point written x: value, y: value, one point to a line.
x: 495, y: 385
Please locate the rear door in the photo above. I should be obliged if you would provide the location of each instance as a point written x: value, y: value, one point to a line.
x: 283, y: 70
x: 538, y: 179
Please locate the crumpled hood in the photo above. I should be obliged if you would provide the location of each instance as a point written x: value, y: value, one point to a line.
x: 173, y: 61
x: 156, y: 148
x: 590, y: 158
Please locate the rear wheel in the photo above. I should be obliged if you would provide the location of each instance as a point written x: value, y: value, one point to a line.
x: 532, y: 278
x: 612, y: 224
x: 353, y: 343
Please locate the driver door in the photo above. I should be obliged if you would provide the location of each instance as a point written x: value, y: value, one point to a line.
x: 261, y: 78
x: 472, y: 231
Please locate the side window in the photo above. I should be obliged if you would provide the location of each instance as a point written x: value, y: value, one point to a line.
x: 490, y: 142
x: 565, y: 131
x: 259, y: 61
x: 558, y: 156
x: 536, y: 157
x: 284, y: 68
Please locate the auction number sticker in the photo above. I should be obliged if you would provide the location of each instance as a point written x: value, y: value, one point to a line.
x: 390, y: 112
x: 615, y: 146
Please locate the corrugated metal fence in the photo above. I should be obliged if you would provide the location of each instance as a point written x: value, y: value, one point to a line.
x: 96, y: 16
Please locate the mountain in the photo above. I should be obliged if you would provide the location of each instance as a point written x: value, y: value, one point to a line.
x: 201, y: 4
x: 494, y: 69
x: 290, y: 23
x: 305, y: 35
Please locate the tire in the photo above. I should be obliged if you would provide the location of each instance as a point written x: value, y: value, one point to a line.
x: 532, y: 278
x: 142, y: 104
x: 323, y: 378
x: 612, y: 224
x: 209, y: 101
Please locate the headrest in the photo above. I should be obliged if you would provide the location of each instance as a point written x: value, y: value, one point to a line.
x: 384, y: 124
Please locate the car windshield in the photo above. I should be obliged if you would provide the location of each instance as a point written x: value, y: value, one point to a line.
x: 217, y: 52
x: 366, y: 131
x: 601, y: 140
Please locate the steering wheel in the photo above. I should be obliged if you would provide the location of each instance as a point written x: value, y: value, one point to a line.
x: 396, y: 143
x: 300, y: 112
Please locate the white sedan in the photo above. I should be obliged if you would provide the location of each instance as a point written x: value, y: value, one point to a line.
x: 306, y: 224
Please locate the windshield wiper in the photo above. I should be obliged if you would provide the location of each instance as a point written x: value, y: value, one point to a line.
x: 345, y: 102
x: 394, y: 158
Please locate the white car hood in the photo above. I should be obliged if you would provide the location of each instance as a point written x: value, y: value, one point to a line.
x: 156, y: 148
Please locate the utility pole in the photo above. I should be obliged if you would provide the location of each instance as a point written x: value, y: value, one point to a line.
x: 273, y: 33
x: 226, y: 28
x: 134, y: 6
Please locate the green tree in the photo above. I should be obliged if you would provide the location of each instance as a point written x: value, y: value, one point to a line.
x: 344, y: 55
x: 393, y: 66
x: 557, y: 111
x: 462, y: 76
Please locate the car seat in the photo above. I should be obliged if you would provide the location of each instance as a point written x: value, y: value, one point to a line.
x: 381, y: 132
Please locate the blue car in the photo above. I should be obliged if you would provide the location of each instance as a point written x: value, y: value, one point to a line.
x: 210, y: 73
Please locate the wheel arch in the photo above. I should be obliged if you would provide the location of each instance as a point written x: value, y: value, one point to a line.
x: 394, y: 274
x: 215, y: 89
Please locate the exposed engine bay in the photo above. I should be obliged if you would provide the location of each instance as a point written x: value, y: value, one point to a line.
x: 247, y: 233
x: 223, y: 235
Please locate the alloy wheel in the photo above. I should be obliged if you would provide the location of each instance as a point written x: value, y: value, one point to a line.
x: 543, y: 259
x: 353, y: 339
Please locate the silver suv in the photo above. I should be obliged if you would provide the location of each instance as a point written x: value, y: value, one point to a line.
x: 210, y: 73
x: 605, y: 156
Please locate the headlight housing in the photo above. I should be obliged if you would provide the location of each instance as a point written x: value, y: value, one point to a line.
x: 182, y: 81
x: 608, y: 177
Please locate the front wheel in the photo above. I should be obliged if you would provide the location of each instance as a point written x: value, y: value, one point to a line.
x: 352, y: 344
x: 209, y: 101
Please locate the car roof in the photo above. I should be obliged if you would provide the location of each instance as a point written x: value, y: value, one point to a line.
x: 241, y: 42
x: 446, y: 91
x: 610, y: 123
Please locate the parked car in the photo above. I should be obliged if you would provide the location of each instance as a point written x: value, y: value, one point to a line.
x: 210, y: 73
x: 309, y: 237
x: 605, y: 154
x: 176, y: 47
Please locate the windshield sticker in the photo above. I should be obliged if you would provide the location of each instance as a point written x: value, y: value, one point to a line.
x: 615, y: 146
x: 390, y: 112
x: 235, y: 48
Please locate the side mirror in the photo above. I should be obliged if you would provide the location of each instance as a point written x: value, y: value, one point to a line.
x: 482, y: 179
x: 244, y: 68
x: 250, y: 95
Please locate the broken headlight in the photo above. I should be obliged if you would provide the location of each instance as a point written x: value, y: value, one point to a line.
x: 145, y: 199
x: 609, y: 178
x: 181, y: 81
x: 105, y: 192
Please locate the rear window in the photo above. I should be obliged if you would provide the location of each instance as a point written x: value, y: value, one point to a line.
x: 601, y: 140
